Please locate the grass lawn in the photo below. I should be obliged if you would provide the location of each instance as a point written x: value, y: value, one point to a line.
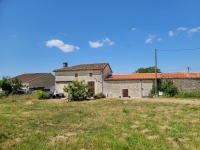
x: 110, y: 124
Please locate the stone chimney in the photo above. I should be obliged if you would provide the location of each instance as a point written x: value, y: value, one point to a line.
x: 65, y: 65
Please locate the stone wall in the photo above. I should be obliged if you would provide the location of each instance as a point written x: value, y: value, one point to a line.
x: 188, y: 85
x: 46, y: 81
x: 136, y: 88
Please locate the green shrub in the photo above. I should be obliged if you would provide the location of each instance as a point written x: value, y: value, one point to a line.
x: 99, y: 96
x: 41, y: 95
x: 168, y: 88
x: 188, y: 95
x: 3, y: 93
x: 77, y: 90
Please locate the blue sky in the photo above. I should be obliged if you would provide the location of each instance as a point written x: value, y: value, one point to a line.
x: 39, y: 35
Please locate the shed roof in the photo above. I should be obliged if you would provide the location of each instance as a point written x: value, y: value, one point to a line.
x: 94, y: 66
x: 146, y: 76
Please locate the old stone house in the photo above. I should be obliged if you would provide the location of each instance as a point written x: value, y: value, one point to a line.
x: 37, y: 81
x: 99, y: 76
x: 93, y: 74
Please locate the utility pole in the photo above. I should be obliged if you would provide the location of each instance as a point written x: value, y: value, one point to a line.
x: 188, y: 69
x: 156, y: 87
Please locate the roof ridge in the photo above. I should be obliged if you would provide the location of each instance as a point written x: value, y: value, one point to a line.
x: 91, y: 66
x: 92, y: 63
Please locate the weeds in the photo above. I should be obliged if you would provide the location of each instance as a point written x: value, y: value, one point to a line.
x: 188, y: 95
x: 107, y: 124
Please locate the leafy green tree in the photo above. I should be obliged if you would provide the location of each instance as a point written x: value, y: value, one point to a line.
x: 16, y: 86
x: 5, y: 85
x: 147, y: 70
x: 169, y: 88
x: 77, y: 90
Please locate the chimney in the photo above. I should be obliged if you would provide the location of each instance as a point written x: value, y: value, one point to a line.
x: 65, y: 65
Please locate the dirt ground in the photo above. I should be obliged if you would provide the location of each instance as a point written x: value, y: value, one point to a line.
x: 152, y: 100
x: 168, y: 100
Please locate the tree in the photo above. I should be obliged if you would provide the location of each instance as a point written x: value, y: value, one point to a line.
x: 5, y: 85
x: 16, y: 86
x: 147, y: 70
x: 77, y: 90
x: 169, y: 88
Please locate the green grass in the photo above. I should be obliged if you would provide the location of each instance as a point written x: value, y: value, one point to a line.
x: 188, y: 95
x: 26, y: 123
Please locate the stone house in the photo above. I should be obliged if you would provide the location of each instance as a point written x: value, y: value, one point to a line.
x: 36, y: 81
x: 99, y: 76
x: 93, y: 74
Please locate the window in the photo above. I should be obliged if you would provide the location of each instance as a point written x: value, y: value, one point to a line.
x: 90, y: 74
x: 76, y: 74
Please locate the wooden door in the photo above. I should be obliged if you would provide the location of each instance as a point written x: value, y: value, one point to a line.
x: 125, y: 92
x: 92, y: 87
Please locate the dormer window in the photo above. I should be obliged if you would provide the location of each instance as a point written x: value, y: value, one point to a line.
x: 76, y: 74
x: 90, y: 74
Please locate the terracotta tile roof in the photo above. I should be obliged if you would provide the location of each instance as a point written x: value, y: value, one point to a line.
x: 28, y: 77
x: 95, y: 66
x: 146, y: 76
x: 180, y: 75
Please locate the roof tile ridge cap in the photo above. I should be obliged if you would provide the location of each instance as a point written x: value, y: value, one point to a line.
x: 121, y: 74
x: 106, y: 63
x: 91, y: 63
x: 39, y: 77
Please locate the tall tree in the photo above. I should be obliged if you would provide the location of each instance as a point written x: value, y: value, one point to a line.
x: 5, y: 85
x: 147, y: 70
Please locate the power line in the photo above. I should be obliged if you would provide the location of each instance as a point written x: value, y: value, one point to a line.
x: 175, y: 70
x: 180, y: 49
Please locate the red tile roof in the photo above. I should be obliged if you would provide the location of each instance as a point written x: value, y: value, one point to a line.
x: 180, y: 75
x: 146, y: 76
x: 28, y: 77
x: 95, y: 66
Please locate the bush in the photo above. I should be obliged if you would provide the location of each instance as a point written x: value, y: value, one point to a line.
x: 77, y: 90
x: 188, y: 95
x: 3, y: 93
x: 99, y: 96
x: 169, y: 88
x: 41, y: 95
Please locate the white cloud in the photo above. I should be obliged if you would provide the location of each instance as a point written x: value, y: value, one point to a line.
x: 100, y: 43
x: 193, y: 30
x: 150, y: 38
x: 171, y: 33
x: 160, y: 39
x: 176, y: 32
x: 107, y: 40
x: 95, y: 44
x: 133, y: 29
x: 62, y: 46
x: 182, y: 28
